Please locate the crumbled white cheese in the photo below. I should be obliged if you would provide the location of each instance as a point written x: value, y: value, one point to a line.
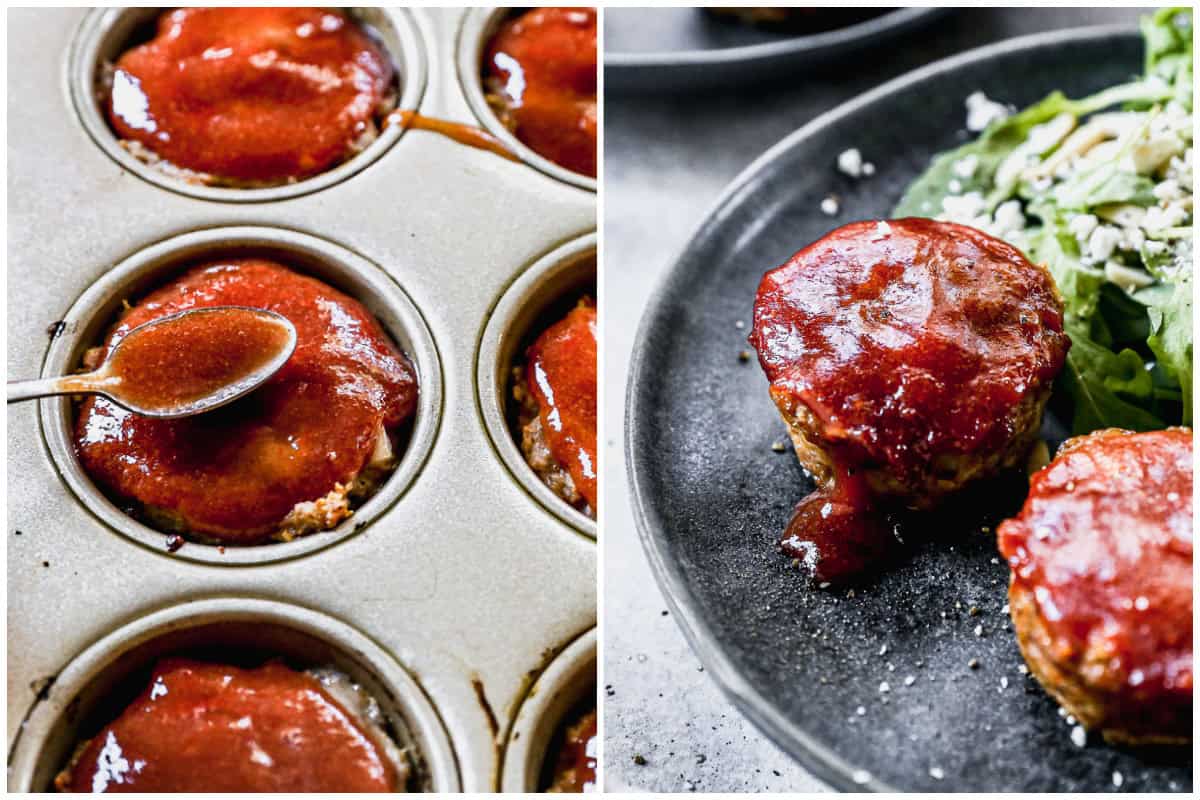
x: 937, y: 773
x: 1167, y: 191
x: 868, y: 168
x: 955, y: 186
x: 1009, y: 218
x: 829, y: 206
x: 982, y: 111
x: 1118, y: 779
x: 1159, y: 218
x: 964, y: 207
x: 966, y: 166
x: 1102, y: 242
x: 850, y: 162
x: 1082, y: 225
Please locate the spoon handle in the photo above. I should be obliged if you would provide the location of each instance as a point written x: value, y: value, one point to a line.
x: 48, y: 387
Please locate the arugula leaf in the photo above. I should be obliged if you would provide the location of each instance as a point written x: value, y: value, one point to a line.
x: 1103, y: 184
x: 1093, y: 376
x: 1168, y: 36
x: 1171, y: 336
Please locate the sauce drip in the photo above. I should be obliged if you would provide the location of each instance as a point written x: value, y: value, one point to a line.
x: 176, y: 362
x: 575, y: 768
x: 202, y: 727
x: 1104, y: 547
x: 468, y: 135
x: 540, y: 73
x: 562, y: 378
x: 232, y: 475
x: 251, y: 95
x: 838, y: 533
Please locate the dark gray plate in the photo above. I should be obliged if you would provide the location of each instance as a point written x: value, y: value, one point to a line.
x: 711, y: 497
x: 677, y: 48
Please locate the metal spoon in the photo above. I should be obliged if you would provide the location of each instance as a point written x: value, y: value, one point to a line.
x: 107, y: 382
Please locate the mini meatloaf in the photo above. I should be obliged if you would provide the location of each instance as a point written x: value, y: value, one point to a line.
x: 249, y: 96
x: 294, y: 456
x: 539, y: 72
x: 574, y: 765
x: 1101, y: 589
x: 555, y: 392
x: 206, y: 727
x: 914, y: 355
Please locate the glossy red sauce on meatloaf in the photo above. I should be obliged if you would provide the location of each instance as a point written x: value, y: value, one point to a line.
x: 1104, y: 544
x: 561, y: 375
x: 908, y: 339
x: 180, y: 360
x: 203, y: 727
x: 542, y: 67
x: 252, y: 94
x: 233, y: 474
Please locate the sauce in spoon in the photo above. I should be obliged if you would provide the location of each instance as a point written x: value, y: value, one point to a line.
x: 204, y: 356
x: 183, y: 364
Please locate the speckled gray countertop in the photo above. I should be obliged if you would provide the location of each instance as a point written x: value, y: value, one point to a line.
x: 667, y: 158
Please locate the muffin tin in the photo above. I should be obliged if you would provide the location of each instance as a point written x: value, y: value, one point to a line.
x: 451, y: 590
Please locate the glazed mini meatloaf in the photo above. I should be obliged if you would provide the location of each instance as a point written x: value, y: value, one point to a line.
x: 292, y: 457
x: 912, y: 355
x: 200, y: 726
x: 555, y: 390
x: 249, y: 97
x: 1101, y: 587
x: 540, y: 75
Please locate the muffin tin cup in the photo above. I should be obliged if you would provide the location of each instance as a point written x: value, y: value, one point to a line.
x: 79, y: 701
x: 93, y: 314
x: 478, y: 27
x: 563, y: 686
x: 105, y: 33
x: 566, y: 272
x: 460, y: 575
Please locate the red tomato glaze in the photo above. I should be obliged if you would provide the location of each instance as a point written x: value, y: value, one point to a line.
x: 202, y: 727
x: 562, y: 378
x: 837, y: 534
x: 1104, y: 544
x: 541, y: 66
x: 233, y: 474
x: 908, y: 339
x: 251, y: 94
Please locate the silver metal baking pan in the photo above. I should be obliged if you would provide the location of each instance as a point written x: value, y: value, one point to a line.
x: 459, y: 595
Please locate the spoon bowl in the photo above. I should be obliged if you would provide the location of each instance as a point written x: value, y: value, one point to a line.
x: 182, y: 364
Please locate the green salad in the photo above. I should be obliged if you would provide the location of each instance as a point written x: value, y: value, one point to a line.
x: 1099, y: 190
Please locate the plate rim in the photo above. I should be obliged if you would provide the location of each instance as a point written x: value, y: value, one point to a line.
x: 857, y: 34
x: 836, y: 771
